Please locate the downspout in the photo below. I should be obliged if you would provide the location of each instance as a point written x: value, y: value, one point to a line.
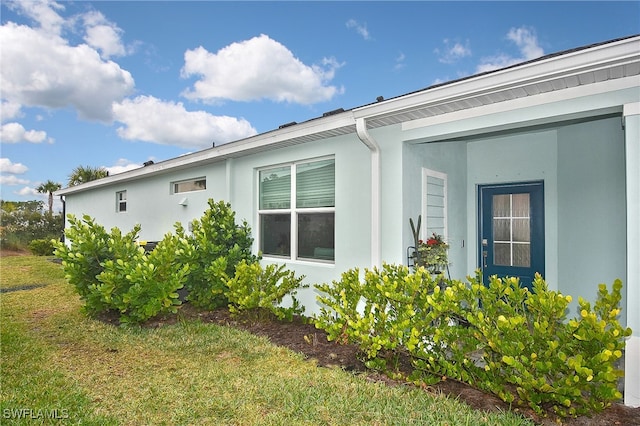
x: 372, y: 144
x: 64, y: 217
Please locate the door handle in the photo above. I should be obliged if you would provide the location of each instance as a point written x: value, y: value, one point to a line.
x: 484, y: 258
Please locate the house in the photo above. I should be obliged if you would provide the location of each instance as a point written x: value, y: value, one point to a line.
x: 530, y: 168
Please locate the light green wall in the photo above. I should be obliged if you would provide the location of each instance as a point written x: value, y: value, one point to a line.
x: 149, y: 201
x: 591, y: 207
x: 582, y: 165
x: 449, y: 158
x: 353, y: 201
x: 517, y: 157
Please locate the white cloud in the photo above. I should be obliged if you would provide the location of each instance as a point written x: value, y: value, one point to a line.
x: 6, y: 166
x: 525, y: 40
x: 9, y: 111
x: 122, y: 165
x: 12, y: 180
x: 44, y: 12
x: 360, y: 28
x: 453, y: 51
x: 16, y: 133
x: 47, y: 72
x: 259, y: 68
x: 103, y: 35
x: 152, y: 120
x: 30, y: 191
x: 400, y: 61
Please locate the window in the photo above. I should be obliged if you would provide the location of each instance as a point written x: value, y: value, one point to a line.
x: 121, y: 201
x: 296, y: 210
x: 434, y: 203
x: 189, y: 185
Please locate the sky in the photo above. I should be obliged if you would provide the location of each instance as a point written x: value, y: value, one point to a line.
x: 116, y: 83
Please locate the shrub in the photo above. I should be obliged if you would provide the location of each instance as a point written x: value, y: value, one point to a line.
x: 375, y: 314
x: 215, y: 246
x: 89, y: 247
x: 143, y: 286
x: 501, y: 338
x: 111, y: 272
x: 41, y: 247
x: 255, y: 289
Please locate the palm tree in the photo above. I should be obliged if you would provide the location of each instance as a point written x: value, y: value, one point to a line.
x: 84, y: 174
x: 49, y: 187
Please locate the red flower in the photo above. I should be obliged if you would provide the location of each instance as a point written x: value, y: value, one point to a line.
x: 432, y: 242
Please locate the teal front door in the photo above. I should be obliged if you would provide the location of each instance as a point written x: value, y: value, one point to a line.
x: 511, y: 227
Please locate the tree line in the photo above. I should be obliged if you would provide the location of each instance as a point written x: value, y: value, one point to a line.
x: 24, y: 222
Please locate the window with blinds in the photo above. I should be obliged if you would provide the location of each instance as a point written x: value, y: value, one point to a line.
x: 189, y: 185
x: 296, y: 208
x: 434, y: 203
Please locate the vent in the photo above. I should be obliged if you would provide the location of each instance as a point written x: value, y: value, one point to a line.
x: 334, y: 112
x: 148, y: 163
x: 282, y: 126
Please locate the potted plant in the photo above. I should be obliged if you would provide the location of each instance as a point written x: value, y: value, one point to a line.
x: 432, y: 254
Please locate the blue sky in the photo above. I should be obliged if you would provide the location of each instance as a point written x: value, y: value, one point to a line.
x: 114, y: 84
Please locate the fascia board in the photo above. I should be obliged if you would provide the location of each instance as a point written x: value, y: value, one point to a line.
x: 221, y: 152
x: 426, y: 129
x: 538, y: 71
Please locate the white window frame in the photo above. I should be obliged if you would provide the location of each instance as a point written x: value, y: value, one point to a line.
x: 172, y: 187
x: 293, y: 211
x: 427, y: 175
x: 121, y: 201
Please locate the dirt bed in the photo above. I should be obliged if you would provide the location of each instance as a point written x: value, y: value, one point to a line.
x: 306, y: 339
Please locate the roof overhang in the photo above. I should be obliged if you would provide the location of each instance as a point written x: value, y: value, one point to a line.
x: 553, y: 75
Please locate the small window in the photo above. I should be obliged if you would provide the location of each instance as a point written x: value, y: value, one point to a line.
x: 190, y: 185
x: 121, y: 201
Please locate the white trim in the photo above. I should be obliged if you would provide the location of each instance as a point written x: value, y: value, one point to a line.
x: 426, y: 173
x: 293, y: 211
x: 376, y: 194
x: 583, y: 60
x: 631, y: 109
x: 545, y: 99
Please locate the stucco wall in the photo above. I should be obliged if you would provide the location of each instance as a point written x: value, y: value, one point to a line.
x: 591, y: 207
x: 353, y: 201
x: 449, y: 158
x: 149, y: 201
x: 517, y: 157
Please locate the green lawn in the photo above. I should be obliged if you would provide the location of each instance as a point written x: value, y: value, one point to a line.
x: 55, y: 362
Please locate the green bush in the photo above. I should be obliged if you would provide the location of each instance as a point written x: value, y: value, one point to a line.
x: 501, y: 338
x: 376, y: 313
x: 143, y: 286
x: 213, y: 249
x: 255, y: 290
x: 41, y: 247
x: 111, y: 272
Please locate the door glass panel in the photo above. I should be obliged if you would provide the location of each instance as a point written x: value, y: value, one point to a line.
x: 502, y: 254
x: 520, y: 205
x: 521, y: 230
x: 501, y: 205
x: 502, y: 229
x: 511, y: 230
x: 522, y: 255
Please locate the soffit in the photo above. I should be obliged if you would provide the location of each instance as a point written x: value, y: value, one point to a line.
x: 440, y: 107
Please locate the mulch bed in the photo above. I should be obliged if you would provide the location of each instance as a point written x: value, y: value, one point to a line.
x: 304, y: 338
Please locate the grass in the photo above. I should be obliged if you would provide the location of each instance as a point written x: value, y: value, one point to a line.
x: 55, y: 362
